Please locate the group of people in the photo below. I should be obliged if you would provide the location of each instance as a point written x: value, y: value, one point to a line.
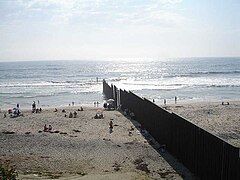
x: 165, y: 101
x: 47, y: 129
x: 96, y: 104
x: 35, y: 109
x: 71, y: 115
x: 15, y: 112
x: 99, y: 115
x: 223, y: 103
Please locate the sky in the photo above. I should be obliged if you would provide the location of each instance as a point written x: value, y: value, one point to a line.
x: 113, y: 29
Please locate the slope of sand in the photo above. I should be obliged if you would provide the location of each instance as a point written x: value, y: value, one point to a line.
x: 221, y: 120
x: 81, y: 148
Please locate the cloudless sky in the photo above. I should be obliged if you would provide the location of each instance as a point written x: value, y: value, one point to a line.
x: 111, y: 29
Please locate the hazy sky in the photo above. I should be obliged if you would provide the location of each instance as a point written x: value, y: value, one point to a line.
x: 99, y: 29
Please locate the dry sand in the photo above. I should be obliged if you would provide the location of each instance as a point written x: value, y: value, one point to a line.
x: 82, y: 148
x: 218, y: 119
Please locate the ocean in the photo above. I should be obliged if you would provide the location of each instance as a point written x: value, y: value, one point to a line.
x: 59, y: 83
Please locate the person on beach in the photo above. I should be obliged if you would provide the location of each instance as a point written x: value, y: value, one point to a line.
x: 70, y: 115
x: 49, y: 127
x: 165, y: 102
x: 75, y: 114
x: 33, y: 107
x: 175, y: 99
x: 18, y: 106
x: 110, y: 126
x: 45, y: 129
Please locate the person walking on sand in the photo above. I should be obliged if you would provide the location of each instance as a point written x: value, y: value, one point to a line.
x: 165, y: 102
x: 110, y: 126
x: 175, y: 99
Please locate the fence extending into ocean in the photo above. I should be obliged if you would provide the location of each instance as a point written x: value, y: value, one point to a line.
x: 204, y: 154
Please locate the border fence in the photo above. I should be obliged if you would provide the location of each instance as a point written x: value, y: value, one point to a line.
x: 204, y: 154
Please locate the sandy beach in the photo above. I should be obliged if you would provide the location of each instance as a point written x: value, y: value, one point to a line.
x: 82, y: 147
x: 218, y: 119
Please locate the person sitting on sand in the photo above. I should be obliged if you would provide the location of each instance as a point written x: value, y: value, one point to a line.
x: 45, y: 129
x: 105, y: 105
x: 63, y: 111
x: 49, y: 127
x: 81, y: 108
x: 75, y: 114
x: 70, y: 115
x: 55, y: 110
x: 99, y: 115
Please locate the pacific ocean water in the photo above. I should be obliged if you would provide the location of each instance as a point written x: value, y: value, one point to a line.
x: 59, y: 83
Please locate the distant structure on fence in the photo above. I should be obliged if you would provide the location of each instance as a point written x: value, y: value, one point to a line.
x: 203, y: 153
